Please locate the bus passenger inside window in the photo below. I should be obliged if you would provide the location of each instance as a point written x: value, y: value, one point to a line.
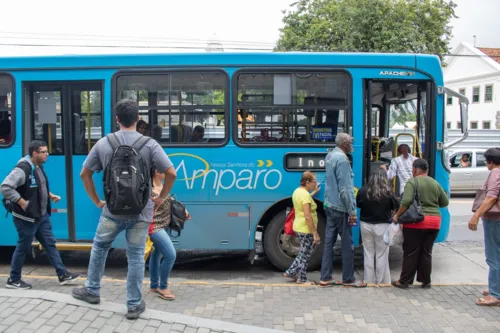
x: 5, y: 131
x: 142, y: 127
x: 302, y: 107
x: 180, y: 108
x: 6, y: 99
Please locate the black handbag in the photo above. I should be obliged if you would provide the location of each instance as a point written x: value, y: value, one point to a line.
x: 415, y: 213
x: 177, y: 217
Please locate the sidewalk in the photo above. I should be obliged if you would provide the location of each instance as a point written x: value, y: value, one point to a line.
x: 252, y: 308
x: 42, y: 311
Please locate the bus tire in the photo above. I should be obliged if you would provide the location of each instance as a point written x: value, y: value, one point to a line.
x: 281, y: 249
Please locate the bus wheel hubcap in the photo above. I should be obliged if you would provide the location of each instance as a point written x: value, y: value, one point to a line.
x: 288, y: 245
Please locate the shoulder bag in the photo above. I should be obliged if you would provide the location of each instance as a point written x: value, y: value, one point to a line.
x: 415, y: 213
x: 177, y: 217
x: 481, y: 196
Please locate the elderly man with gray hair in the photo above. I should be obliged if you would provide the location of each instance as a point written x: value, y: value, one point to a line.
x: 340, y: 209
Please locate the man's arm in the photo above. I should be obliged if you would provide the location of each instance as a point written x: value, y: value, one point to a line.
x: 88, y: 183
x: 393, y: 169
x: 9, y: 186
x: 346, y: 187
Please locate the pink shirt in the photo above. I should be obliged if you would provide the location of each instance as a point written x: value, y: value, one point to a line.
x: 493, y: 185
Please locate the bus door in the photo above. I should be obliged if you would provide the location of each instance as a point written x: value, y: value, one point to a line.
x: 397, y: 112
x: 68, y: 117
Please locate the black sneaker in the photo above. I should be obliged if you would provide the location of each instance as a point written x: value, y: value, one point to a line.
x: 134, y: 314
x: 67, y: 278
x: 19, y: 284
x: 84, y: 295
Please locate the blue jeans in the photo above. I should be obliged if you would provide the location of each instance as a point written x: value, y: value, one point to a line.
x: 43, y: 233
x: 337, y: 224
x: 492, y: 251
x: 136, y: 234
x: 161, y: 269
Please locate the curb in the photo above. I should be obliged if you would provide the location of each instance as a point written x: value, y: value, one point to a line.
x: 168, y: 317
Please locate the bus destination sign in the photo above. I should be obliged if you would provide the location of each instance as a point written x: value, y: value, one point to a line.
x: 305, y: 161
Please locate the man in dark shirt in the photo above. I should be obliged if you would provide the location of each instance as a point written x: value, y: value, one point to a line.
x: 27, y: 189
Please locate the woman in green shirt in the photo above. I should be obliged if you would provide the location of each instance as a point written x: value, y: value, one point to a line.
x: 304, y: 225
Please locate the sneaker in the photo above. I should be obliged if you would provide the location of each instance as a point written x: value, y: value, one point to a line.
x: 84, y: 295
x: 19, y: 284
x: 67, y: 278
x: 134, y: 314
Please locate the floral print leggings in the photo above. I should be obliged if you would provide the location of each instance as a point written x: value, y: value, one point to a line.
x: 299, y: 266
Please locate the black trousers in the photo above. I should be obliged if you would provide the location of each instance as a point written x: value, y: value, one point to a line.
x: 417, y: 255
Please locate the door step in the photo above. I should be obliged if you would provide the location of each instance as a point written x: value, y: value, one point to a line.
x: 65, y: 246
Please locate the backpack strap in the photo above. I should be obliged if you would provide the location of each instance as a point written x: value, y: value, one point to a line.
x: 140, y: 143
x: 113, y: 141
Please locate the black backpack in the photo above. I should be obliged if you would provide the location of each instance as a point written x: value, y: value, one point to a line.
x: 127, y: 178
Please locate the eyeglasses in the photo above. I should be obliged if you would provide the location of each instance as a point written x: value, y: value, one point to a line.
x: 46, y: 152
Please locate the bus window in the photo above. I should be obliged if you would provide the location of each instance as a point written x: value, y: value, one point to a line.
x: 291, y: 107
x: 6, y: 111
x: 179, y: 107
x: 87, y: 118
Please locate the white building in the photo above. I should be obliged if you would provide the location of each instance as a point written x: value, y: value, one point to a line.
x: 475, y: 73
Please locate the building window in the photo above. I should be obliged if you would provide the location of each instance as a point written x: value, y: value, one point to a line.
x: 488, y: 93
x: 448, y: 125
x: 475, y: 94
x: 486, y: 125
x: 473, y: 125
x: 459, y: 124
x: 462, y: 91
x: 449, y: 100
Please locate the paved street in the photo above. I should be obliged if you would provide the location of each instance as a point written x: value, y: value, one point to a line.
x: 295, y: 309
x: 225, y: 293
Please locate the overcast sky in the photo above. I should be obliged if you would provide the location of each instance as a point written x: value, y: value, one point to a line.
x: 235, y: 23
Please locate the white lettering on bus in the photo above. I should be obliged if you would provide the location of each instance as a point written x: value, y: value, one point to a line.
x: 226, y: 179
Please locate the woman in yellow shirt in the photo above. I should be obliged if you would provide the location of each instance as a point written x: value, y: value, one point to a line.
x: 304, y: 225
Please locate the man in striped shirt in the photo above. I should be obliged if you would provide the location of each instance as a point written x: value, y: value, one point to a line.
x: 401, y: 166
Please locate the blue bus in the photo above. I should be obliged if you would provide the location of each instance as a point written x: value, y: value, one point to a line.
x: 240, y: 129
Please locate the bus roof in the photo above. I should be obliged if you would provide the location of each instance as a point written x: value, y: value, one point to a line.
x: 431, y: 62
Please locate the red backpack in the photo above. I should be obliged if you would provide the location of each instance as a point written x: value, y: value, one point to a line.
x: 289, y: 223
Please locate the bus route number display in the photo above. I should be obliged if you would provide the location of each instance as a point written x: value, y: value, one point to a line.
x: 305, y: 161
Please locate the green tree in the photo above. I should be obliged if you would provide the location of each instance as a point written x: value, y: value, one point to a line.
x: 405, y: 26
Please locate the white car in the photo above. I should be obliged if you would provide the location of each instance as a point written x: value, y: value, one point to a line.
x: 467, y: 179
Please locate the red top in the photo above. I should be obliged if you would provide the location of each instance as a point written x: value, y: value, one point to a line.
x: 429, y: 222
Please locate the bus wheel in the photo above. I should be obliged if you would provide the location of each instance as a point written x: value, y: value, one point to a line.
x: 281, y: 249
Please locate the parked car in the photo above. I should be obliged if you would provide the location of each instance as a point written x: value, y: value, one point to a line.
x: 467, y: 178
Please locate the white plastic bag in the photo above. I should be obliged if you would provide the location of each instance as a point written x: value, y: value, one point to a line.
x: 393, y: 235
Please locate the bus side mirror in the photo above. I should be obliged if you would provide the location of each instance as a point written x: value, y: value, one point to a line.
x: 464, y: 115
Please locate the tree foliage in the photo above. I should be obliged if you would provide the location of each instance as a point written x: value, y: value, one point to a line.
x: 405, y: 26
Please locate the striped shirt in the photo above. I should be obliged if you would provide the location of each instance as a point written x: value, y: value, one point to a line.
x: 402, y: 168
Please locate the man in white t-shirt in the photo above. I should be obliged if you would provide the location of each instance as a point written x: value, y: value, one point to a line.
x: 401, y: 166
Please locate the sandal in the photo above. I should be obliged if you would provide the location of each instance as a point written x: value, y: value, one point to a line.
x: 488, y: 301
x: 485, y: 292
x: 288, y: 276
x: 166, y: 294
x: 355, y: 284
x: 400, y: 285
x: 330, y: 283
